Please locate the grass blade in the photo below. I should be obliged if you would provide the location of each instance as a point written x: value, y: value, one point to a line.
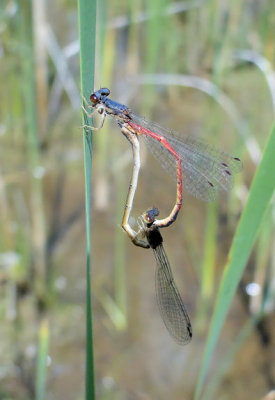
x: 260, y: 194
x: 87, y: 32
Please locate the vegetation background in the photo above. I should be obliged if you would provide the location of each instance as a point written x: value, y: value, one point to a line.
x: 205, y: 68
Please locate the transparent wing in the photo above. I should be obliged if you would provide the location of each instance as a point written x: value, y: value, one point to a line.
x: 205, y: 168
x: 170, y: 304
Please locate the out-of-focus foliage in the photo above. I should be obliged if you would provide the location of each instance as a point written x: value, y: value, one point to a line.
x: 199, y: 67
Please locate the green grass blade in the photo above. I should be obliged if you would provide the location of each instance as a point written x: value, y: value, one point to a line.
x: 41, y: 370
x: 260, y: 194
x: 89, y: 378
x: 87, y: 32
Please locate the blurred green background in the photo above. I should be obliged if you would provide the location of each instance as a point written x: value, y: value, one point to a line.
x: 205, y: 68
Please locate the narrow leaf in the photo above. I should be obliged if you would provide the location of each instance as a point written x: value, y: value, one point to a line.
x: 260, y: 195
x: 87, y: 32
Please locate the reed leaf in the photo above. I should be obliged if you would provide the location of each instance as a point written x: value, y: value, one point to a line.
x: 248, y: 228
x: 87, y: 32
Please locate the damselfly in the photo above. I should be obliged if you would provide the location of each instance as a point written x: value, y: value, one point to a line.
x: 170, y: 304
x: 200, y: 167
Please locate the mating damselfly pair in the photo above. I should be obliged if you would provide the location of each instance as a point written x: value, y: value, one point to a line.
x: 201, y: 168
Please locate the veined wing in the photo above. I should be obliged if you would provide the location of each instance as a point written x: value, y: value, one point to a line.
x: 170, y: 304
x: 205, y: 168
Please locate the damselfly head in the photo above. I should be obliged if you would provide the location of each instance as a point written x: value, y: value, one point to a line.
x: 99, y: 96
x: 149, y: 216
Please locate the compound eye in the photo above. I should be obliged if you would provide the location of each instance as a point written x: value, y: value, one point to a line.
x: 149, y: 215
x: 93, y: 98
x: 147, y: 218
